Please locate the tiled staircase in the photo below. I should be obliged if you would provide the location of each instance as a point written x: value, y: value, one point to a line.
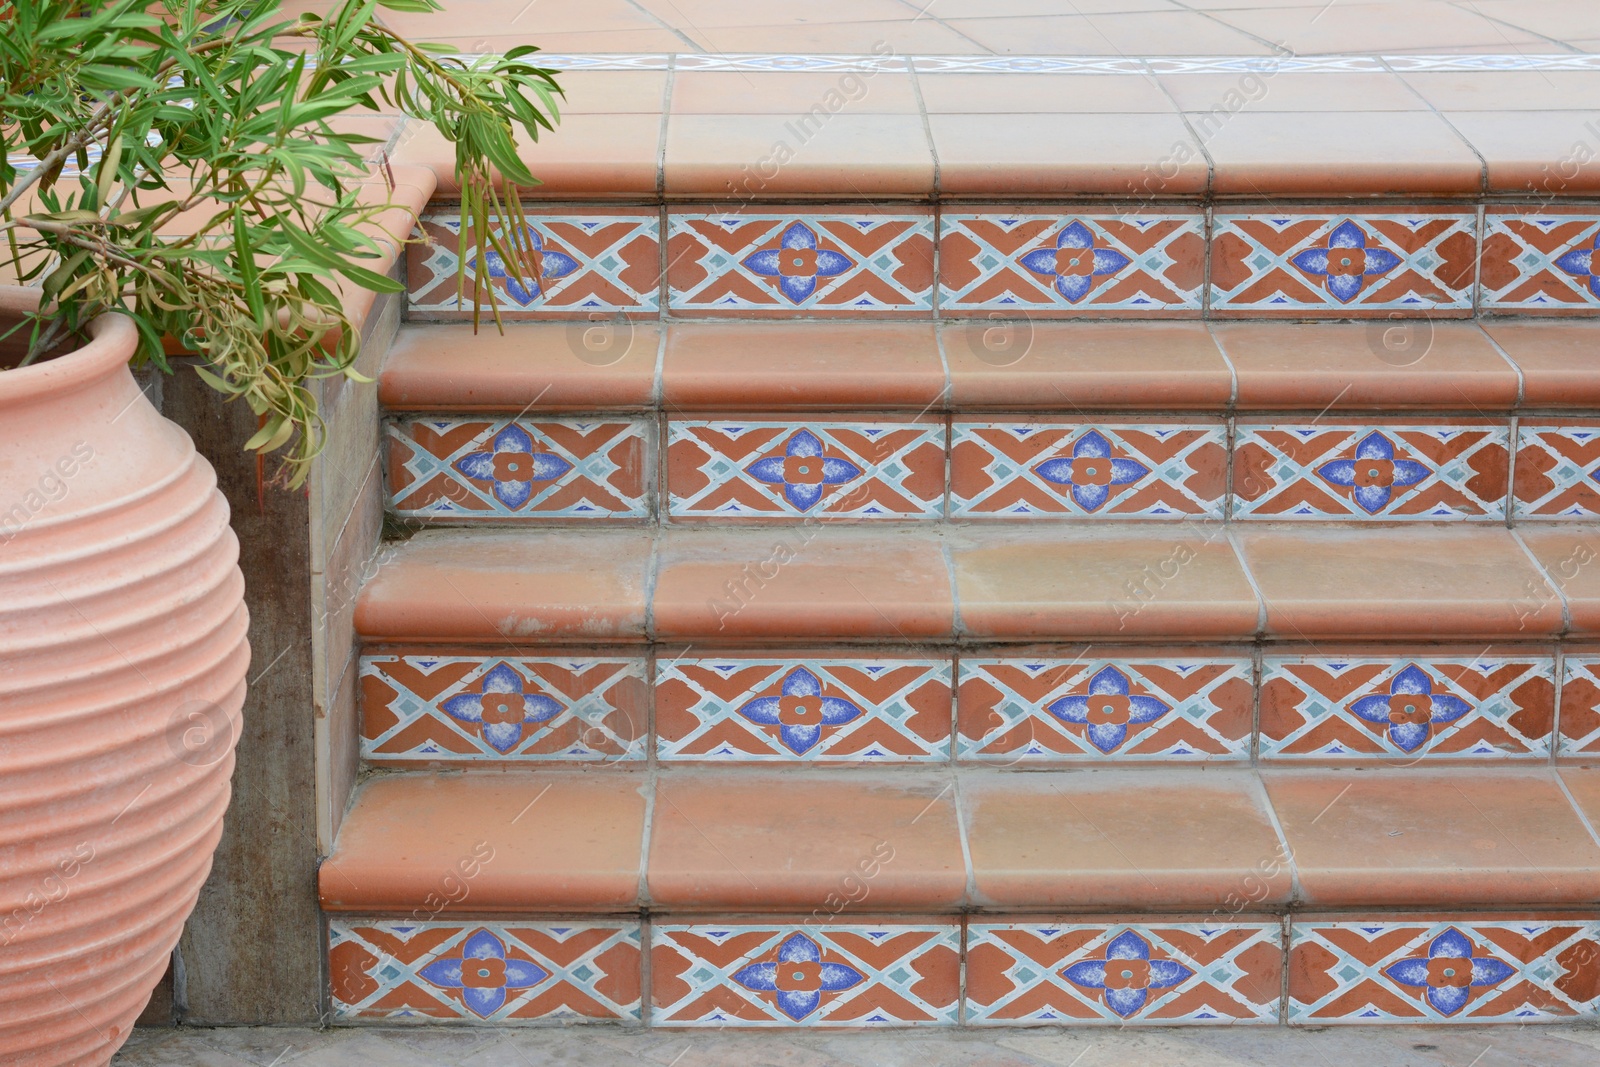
x: 790, y: 625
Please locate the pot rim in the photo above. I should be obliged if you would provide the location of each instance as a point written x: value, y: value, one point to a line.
x: 112, y: 341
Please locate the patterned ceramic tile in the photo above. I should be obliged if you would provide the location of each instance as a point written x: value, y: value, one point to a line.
x: 1128, y: 470
x: 1020, y: 710
x: 1473, y: 969
x: 822, y: 710
x: 801, y: 263
x: 599, y: 260
x: 1332, y: 470
x: 1558, y: 471
x: 497, y: 972
x: 1580, y: 705
x: 759, y: 469
x: 502, y: 709
x: 1022, y: 261
x: 1432, y: 704
x: 859, y: 975
x: 1541, y: 260
x: 1158, y: 972
x: 464, y: 468
x: 1334, y: 264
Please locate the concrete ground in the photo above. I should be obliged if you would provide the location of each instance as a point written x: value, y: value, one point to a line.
x: 1407, y: 1046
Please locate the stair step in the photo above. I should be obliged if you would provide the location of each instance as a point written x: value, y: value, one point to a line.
x: 731, y: 842
x: 994, y: 365
x: 811, y: 583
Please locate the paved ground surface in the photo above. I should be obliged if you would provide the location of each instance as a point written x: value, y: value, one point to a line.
x: 1416, y: 1046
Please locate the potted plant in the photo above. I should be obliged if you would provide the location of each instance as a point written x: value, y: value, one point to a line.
x: 176, y: 178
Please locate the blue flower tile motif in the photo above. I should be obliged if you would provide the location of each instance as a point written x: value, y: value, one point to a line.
x: 1074, y: 263
x: 1374, y: 472
x: 484, y: 973
x: 1347, y: 262
x: 1411, y: 709
x: 1091, y: 471
x: 803, y: 471
x: 1127, y: 974
x: 800, y: 711
x: 1108, y: 709
x: 503, y: 708
x: 513, y: 466
x: 798, y: 977
x: 1450, y: 972
x: 545, y: 265
x: 797, y: 262
x: 1580, y: 263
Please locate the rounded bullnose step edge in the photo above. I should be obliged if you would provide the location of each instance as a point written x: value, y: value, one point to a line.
x: 993, y: 365
x: 813, y: 582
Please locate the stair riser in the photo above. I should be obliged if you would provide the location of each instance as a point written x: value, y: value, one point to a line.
x: 1178, y: 468
x: 1172, y: 259
x: 1005, y: 707
x: 1227, y: 967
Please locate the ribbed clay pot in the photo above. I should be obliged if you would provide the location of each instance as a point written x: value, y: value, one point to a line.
x: 122, y: 672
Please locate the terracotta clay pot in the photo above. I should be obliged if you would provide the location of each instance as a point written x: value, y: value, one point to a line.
x: 122, y: 674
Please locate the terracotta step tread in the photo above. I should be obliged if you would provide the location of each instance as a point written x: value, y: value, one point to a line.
x: 987, y: 365
x: 612, y: 840
x: 805, y: 582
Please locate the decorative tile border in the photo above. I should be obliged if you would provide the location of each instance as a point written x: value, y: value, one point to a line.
x: 1337, y: 470
x: 783, y: 263
x: 443, y: 708
x: 776, y: 974
x: 1050, y: 264
x: 463, y: 468
x: 1558, y: 471
x: 1479, y: 706
x: 493, y: 972
x: 1074, y: 972
x: 1293, y: 264
x: 1023, y: 710
x: 595, y: 261
x: 1543, y: 260
x: 822, y: 710
x: 1129, y: 470
x: 755, y: 469
x: 1580, y: 705
x: 1469, y: 969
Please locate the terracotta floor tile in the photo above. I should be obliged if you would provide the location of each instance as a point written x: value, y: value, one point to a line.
x: 1370, y: 583
x: 1020, y: 94
x: 802, y: 582
x: 1387, y: 364
x: 1557, y: 361
x: 1122, y: 839
x: 1146, y: 33
x: 1425, y: 838
x: 1181, y: 581
x: 1507, y: 90
x: 738, y: 13
x: 1376, y: 27
x: 748, y: 156
x: 1334, y: 152
x: 1584, y: 784
x: 1213, y: 99
x: 517, y: 16
x: 793, y: 94
x: 734, y: 841
x: 588, y: 155
x: 1127, y: 155
x: 568, y: 366
x: 1082, y: 366
x: 1563, y: 20
x: 827, y: 365
x: 509, y: 586
x: 1570, y: 556
x: 1533, y: 150
x: 612, y: 92
x: 901, y: 36
x: 518, y: 842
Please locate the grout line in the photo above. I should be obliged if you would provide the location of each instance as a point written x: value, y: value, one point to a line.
x: 1560, y: 668
x: 1560, y: 593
